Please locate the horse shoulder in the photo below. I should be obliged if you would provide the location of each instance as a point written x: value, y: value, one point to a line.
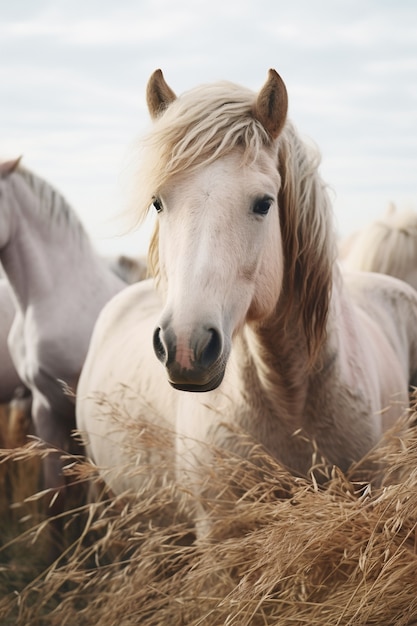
x: 122, y: 388
x: 124, y: 312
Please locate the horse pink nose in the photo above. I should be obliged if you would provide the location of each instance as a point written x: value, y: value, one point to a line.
x: 205, y: 347
x: 192, y: 365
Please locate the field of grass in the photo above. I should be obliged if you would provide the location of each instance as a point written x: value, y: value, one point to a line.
x: 282, y: 550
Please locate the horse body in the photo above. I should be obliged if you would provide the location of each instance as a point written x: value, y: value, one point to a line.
x: 252, y: 321
x: 59, y: 285
x: 267, y: 391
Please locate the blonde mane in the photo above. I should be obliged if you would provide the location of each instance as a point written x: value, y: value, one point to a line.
x: 308, y: 237
x: 209, y: 122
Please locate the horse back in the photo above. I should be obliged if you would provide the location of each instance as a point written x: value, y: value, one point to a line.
x: 392, y: 305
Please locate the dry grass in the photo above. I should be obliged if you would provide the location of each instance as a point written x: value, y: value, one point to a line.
x: 283, y: 550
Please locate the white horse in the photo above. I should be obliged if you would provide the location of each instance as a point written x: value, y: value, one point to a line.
x: 387, y: 245
x: 59, y: 285
x: 249, y: 307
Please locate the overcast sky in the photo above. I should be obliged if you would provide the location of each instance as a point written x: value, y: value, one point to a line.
x: 73, y: 75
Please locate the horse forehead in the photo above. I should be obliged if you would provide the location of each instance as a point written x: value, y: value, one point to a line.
x: 226, y: 176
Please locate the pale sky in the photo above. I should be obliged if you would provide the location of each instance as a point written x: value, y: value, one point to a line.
x: 73, y: 75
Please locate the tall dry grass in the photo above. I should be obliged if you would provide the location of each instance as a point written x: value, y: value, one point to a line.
x: 329, y: 549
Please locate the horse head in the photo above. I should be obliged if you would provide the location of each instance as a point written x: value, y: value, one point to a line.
x: 214, y: 179
x: 214, y: 223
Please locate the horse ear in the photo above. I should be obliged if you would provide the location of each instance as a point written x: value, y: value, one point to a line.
x: 271, y: 105
x: 158, y: 94
x: 7, y: 167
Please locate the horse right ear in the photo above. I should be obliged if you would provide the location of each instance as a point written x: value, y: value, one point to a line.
x: 158, y: 94
x: 271, y: 105
x: 7, y: 167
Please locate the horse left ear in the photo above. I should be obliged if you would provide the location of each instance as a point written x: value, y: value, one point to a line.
x: 271, y: 105
x: 158, y: 94
x: 7, y: 167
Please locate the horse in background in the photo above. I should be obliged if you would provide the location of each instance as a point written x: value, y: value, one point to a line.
x: 128, y: 269
x: 387, y: 245
x: 58, y: 285
x: 249, y: 324
x: 15, y: 399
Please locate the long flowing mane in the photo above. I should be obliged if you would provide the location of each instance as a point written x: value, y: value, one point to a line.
x: 51, y: 205
x: 209, y: 122
x: 308, y: 236
x: 387, y: 245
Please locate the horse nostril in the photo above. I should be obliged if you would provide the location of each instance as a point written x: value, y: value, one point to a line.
x: 158, y: 346
x: 209, y: 349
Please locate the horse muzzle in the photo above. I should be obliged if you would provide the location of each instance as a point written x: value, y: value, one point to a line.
x: 193, y: 363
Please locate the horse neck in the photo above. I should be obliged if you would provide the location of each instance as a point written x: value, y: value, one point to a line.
x: 277, y: 363
x: 274, y: 358
x: 37, y: 261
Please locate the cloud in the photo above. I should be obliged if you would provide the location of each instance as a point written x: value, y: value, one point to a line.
x: 96, y: 32
x: 73, y: 87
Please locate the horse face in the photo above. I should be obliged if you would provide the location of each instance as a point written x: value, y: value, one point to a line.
x: 221, y: 263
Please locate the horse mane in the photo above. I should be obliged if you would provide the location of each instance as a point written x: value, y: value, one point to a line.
x: 210, y: 121
x: 387, y: 245
x: 308, y: 237
x: 52, y: 204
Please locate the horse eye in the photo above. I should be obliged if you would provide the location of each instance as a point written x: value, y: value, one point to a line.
x: 157, y: 204
x: 262, y: 206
